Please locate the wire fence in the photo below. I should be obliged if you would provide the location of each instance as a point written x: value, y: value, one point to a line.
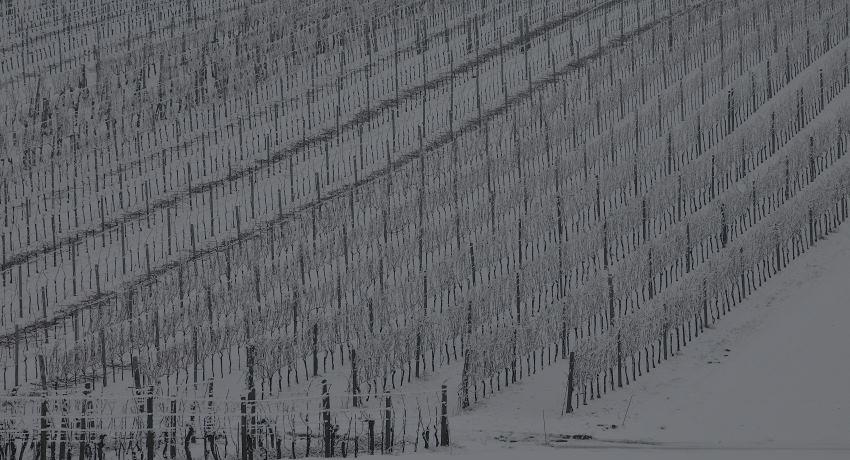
x: 151, y: 425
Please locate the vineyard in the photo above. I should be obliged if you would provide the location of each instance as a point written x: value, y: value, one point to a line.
x: 239, y: 228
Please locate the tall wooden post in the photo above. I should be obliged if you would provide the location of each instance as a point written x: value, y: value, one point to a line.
x: 444, y: 417
x: 149, y: 440
x: 326, y: 420
x: 388, y: 424
x: 570, y: 382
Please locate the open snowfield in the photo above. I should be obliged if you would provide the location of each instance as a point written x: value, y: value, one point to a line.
x: 769, y: 381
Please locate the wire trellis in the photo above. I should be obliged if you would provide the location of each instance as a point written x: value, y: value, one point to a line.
x: 147, y: 420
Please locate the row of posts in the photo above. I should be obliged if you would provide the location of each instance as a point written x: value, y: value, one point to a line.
x: 329, y: 430
x: 248, y: 420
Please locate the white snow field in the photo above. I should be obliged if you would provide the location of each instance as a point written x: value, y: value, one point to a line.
x: 768, y: 381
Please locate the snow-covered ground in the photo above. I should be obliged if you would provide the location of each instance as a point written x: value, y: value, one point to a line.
x: 769, y: 380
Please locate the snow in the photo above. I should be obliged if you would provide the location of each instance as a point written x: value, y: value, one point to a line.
x: 769, y: 380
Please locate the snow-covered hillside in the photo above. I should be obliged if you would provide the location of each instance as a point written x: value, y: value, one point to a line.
x: 276, y: 228
x: 769, y: 381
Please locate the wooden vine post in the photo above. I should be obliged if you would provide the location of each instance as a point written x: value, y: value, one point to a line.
x: 388, y: 423
x: 327, y: 427
x: 444, y: 416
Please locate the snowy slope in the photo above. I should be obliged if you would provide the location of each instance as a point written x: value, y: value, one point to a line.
x: 769, y: 381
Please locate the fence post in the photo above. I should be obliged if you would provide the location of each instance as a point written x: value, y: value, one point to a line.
x: 134, y: 368
x: 251, y: 402
x: 195, y: 356
x: 355, y: 400
x: 811, y: 229
x: 83, y: 423
x: 17, y: 350
x: 610, y: 300
x: 42, y: 443
x: 705, y: 304
x: 149, y: 441
x: 243, y: 431
x: 570, y: 377
x: 326, y: 420
x: 619, y: 362
x: 371, y: 437
x: 665, y: 330
x: 63, y: 434
x: 103, y: 356
x: 172, y: 446
x: 388, y: 424
x: 444, y: 417
x: 315, y: 349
